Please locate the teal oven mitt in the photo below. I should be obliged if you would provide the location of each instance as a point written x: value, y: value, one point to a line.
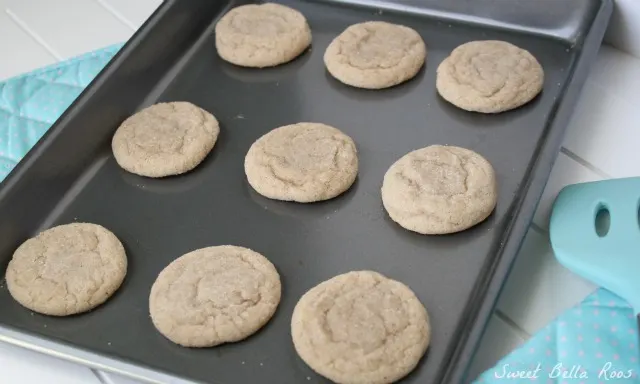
x: 31, y: 103
x: 594, y: 342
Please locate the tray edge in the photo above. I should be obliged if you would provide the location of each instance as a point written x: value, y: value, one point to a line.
x: 461, y: 356
x: 517, y: 229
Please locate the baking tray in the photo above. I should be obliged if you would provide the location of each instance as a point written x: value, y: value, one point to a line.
x: 70, y: 175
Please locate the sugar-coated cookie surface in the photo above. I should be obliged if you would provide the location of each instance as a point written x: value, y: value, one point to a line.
x: 303, y: 162
x: 360, y: 328
x: 262, y: 35
x: 439, y: 190
x: 214, y: 295
x: 165, y: 139
x: 489, y: 76
x: 67, y: 269
x: 375, y: 55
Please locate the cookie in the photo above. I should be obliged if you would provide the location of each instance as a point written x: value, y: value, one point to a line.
x: 165, y: 139
x: 262, y: 35
x: 375, y: 55
x: 439, y: 190
x: 214, y: 295
x: 304, y: 162
x: 489, y: 77
x: 67, y: 269
x: 360, y: 328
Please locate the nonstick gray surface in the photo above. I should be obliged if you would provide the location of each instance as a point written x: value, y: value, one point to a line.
x: 71, y: 176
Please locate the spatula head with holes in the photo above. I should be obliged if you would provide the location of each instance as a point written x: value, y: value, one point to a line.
x: 595, y: 232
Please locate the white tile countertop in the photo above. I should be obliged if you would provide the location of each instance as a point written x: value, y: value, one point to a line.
x: 600, y: 143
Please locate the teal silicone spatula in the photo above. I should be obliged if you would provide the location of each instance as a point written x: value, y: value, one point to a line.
x: 609, y: 258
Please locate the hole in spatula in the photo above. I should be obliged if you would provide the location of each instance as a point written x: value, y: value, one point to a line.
x: 603, y: 221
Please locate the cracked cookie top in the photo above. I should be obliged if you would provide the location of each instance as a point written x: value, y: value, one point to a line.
x: 165, y: 139
x: 360, y: 328
x: 489, y: 76
x: 439, y: 190
x: 214, y: 295
x: 66, y: 270
x: 302, y: 162
x: 375, y: 55
x: 262, y: 35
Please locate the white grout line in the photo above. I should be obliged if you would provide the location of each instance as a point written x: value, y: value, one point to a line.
x: 33, y: 35
x: 117, y: 14
x: 602, y: 86
x: 508, y: 321
x: 104, y: 379
x: 538, y: 229
x: 572, y: 155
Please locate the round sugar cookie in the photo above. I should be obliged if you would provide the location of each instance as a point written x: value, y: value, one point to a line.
x: 214, y: 295
x: 262, y: 35
x: 375, y: 55
x: 165, y: 139
x: 304, y: 162
x: 67, y: 269
x: 360, y: 328
x: 489, y: 76
x: 439, y: 190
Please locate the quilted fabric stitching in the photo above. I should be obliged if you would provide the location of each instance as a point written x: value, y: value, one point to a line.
x: 21, y: 101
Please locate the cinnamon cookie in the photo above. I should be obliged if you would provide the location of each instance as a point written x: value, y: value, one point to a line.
x: 439, y: 190
x: 489, y: 77
x: 302, y: 162
x: 361, y: 328
x: 263, y: 35
x: 66, y: 270
x: 165, y: 139
x: 214, y: 295
x: 375, y: 55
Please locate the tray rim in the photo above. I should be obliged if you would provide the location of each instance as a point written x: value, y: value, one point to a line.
x: 528, y: 203
x: 405, y: 6
x: 475, y: 324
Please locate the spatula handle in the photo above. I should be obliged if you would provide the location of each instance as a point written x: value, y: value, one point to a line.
x: 611, y: 260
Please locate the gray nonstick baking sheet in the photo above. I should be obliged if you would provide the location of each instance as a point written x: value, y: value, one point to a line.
x: 71, y: 176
